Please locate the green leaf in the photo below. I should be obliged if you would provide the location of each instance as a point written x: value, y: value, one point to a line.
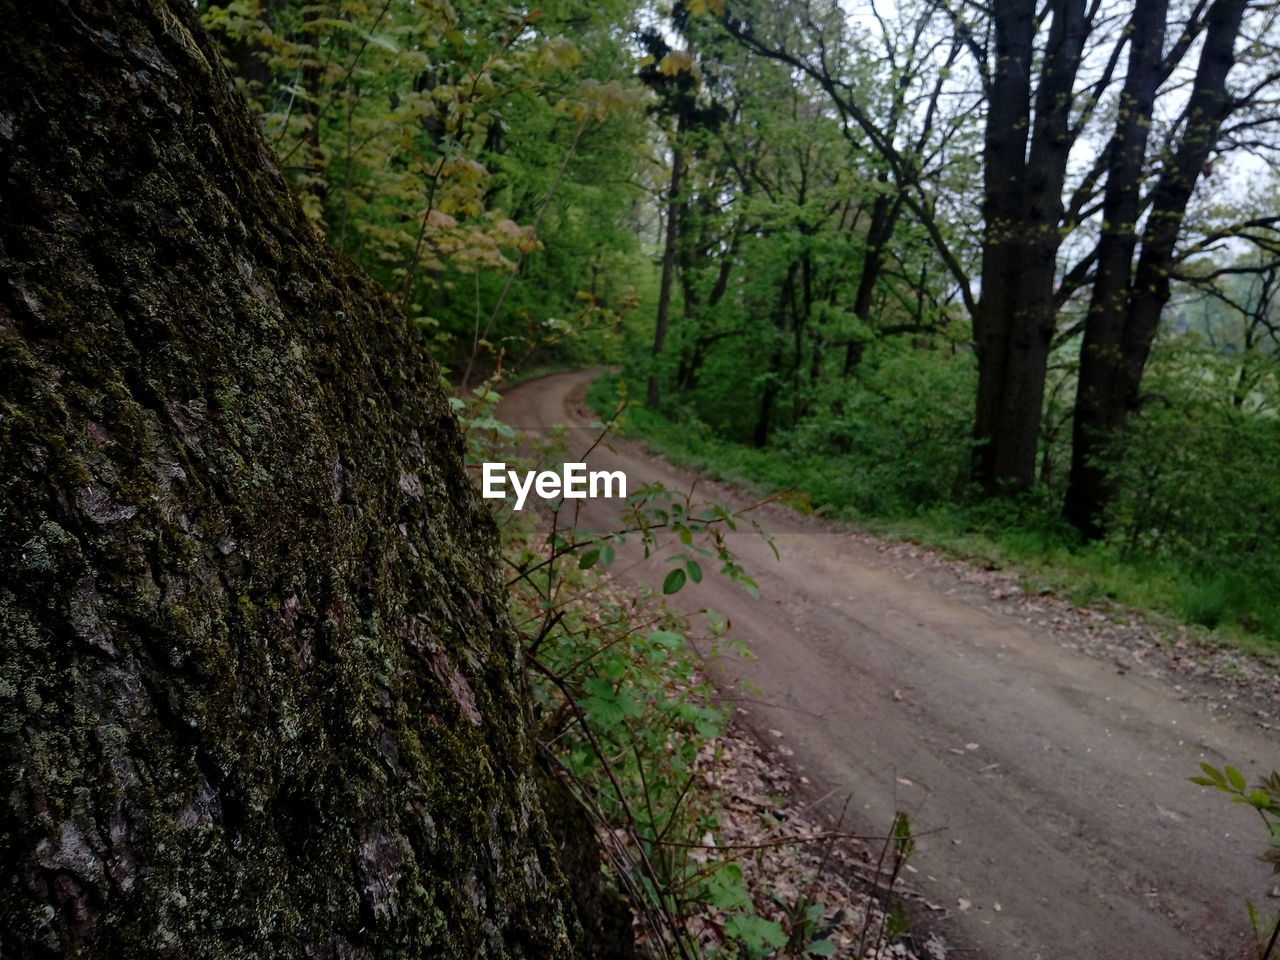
x: 674, y: 581
x: 602, y: 711
x: 756, y: 933
x: 588, y: 559
x: 667, y: 638
x: 726, y: 889
x: 1214, y: 774
x: 1237, y: 778
x: 378, y: 40
x: 489, y: 423
x: 821, y: 948
x: 695, y: 571
x: 706, y: 728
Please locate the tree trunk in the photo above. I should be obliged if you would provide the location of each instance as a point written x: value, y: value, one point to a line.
x: 1126, y: 305
x: 773, y: 378
x: 1100, y: 390
x: 1025, y: 166
x: 654, y: 395
x: 258, y: 692
x: 884, y: 219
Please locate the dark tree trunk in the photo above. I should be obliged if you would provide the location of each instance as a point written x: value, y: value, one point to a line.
x: 1004, y: 395
x: 1100, y: 390
x: 1015, y: 319
x: 1128, y: 298
x: 884, y: 219
x: 773, y: 379
x: 258, y: 693
x: 768, y: 398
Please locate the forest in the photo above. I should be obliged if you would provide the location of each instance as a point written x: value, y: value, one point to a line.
x: 827, y: 259
x: 989, y: 292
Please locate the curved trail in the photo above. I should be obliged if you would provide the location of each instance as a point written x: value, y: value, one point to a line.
x: 1055, y: 787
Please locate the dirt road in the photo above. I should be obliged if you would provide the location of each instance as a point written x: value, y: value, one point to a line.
x: 1055, y: 786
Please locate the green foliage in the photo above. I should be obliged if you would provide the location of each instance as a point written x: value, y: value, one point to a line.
x: 1197, y: 489
x: 759, y: 937
x: 902, y: 429
x: 893, y: 446
x: 1206, y: 585
x: 441, y: 146
x: 1265, y: 798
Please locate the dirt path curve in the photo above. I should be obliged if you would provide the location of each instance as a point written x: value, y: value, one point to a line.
x: 1065, y: 826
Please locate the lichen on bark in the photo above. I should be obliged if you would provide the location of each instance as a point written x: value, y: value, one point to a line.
x: 258, y: 695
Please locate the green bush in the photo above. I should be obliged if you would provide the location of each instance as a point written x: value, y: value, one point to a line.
x: 1198, y: 488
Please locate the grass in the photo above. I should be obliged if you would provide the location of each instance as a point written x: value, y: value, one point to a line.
x: 1025, y: 536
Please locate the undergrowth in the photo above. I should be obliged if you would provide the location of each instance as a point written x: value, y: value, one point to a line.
x: 624, y: 713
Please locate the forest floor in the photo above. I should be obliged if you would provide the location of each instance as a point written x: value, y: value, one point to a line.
x: 1041, y: 750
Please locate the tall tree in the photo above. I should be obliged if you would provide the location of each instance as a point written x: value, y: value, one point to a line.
x: 258, y: 693
x: 1052, y: 87
x: 673, y: 75
x: 1130, y: 293
x: 1024, y: 166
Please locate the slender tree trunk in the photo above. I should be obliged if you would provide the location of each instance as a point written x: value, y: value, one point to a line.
x: 1125, y: 310
x: 884, y: 218
x: 801, y: 314
x: 669, y: 249
x: 768, y: 399
x: 687, y: 254
x: 773, y: 382
x: 258, y: 692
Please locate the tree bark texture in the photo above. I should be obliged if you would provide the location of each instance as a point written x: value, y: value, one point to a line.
x: 258, y: 695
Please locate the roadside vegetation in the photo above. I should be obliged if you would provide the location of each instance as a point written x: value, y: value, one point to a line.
x: 700, y: 830
x: 905, y: 477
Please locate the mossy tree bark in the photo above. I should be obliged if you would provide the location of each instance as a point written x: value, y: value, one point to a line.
x: 258, y: 696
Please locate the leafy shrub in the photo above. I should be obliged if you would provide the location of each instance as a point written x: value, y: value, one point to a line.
x: 1198, y: 487
x: 902, y: 432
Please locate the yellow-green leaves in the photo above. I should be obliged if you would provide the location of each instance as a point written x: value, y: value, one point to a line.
x: 677, y: 62
x: 700, y: 8
x: 597, y: 102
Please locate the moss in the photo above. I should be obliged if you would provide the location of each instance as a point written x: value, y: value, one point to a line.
x: 258, y: 694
